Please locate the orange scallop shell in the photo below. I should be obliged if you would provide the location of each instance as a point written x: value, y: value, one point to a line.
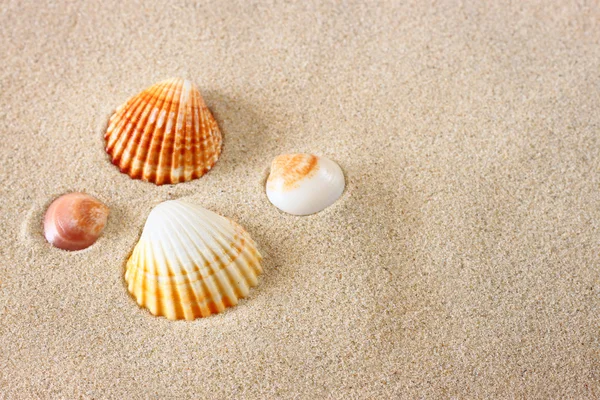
x: 165, y: 134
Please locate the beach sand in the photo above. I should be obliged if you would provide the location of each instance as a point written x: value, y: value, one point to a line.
x: 462, y: 260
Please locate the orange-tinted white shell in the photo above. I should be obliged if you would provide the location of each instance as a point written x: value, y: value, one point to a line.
x: 191, y: 262
x: 165, y: 134
x: 303, y: 184
x: 74, y: 221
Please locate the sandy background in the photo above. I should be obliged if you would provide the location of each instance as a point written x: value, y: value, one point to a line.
x: 462, y: 260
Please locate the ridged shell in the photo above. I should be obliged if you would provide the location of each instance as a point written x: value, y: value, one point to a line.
x: 303, y: 184
x: 165, y: 134
x: 191, y: 262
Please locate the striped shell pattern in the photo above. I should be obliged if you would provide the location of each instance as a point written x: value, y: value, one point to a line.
x: 165, y: 134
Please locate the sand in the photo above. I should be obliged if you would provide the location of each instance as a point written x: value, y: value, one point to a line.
x: 461, y: 262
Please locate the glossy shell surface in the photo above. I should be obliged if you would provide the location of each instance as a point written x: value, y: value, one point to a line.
x: 75, y: 221
x: 303, y: 184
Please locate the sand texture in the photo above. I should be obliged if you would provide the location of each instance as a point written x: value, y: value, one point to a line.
x: 462, y: 261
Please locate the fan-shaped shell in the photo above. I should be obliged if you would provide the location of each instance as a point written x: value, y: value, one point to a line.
x: 165, y: 134
x: 191, y: 262
x: 303, y: 184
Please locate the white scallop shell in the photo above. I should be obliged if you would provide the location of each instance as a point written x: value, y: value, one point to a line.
x: 303, y: 184
x: 191, y: 262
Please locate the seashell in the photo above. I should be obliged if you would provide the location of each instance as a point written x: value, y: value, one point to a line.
x: 74, y: 221
x: 191, y: 262
x: 303, y: 184
x: 165, y: 134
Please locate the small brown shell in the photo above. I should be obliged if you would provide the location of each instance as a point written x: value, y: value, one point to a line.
x: 74, y: 221
x: 165, y: 134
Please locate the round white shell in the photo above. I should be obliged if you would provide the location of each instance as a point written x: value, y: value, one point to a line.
x: 310, y: 193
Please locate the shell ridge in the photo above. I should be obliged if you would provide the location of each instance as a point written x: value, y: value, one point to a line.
x: 189, y: 296
x: 202, y: 291
x: 244, y: 242
x: 146, y: 127
x: 242, y: 283
x: 130, y: 121
x: 184, y: 155
x: 140, y: 273
x: 220, y: 285
x: 175, y: 305
x: 203, y: 143
x: 212, y: 283
x: 136, y: 144
x: 132, y: 278
x: 183, y: 122
x: 158, y: 303
x: 226, y: 227
x: 208, y: 290
x: 192, y: 297
x: 138, y: 281
x: 178, y: 222
x: 150, y: 287
x: 195, y: 137
x: 213, y: 136
x: 165, y: 308
x: 254, y: 255
x: 160, y: 133
x: 185, y: 224
x: 246, y: 271
x: 118, y: 130
x: 233, y: 276
x: 130, y: 137
x: 154, y: 133
x: 213, y: 133
x: 191, y: 211
x: 130, y: 268
x: 115, y: 123
x: 132, y: 262
x: 151, y: 269
x: 223, y: 238
x: 140, y: 260
x: 203, y: 138
x: 220, y: 230
x: 248, y: 260
x: 191, y: 153
x: 248, y: 274
x: 221, y: 275
x: 191, y: 133
x: 210, y: 286
x: 168, y: 140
